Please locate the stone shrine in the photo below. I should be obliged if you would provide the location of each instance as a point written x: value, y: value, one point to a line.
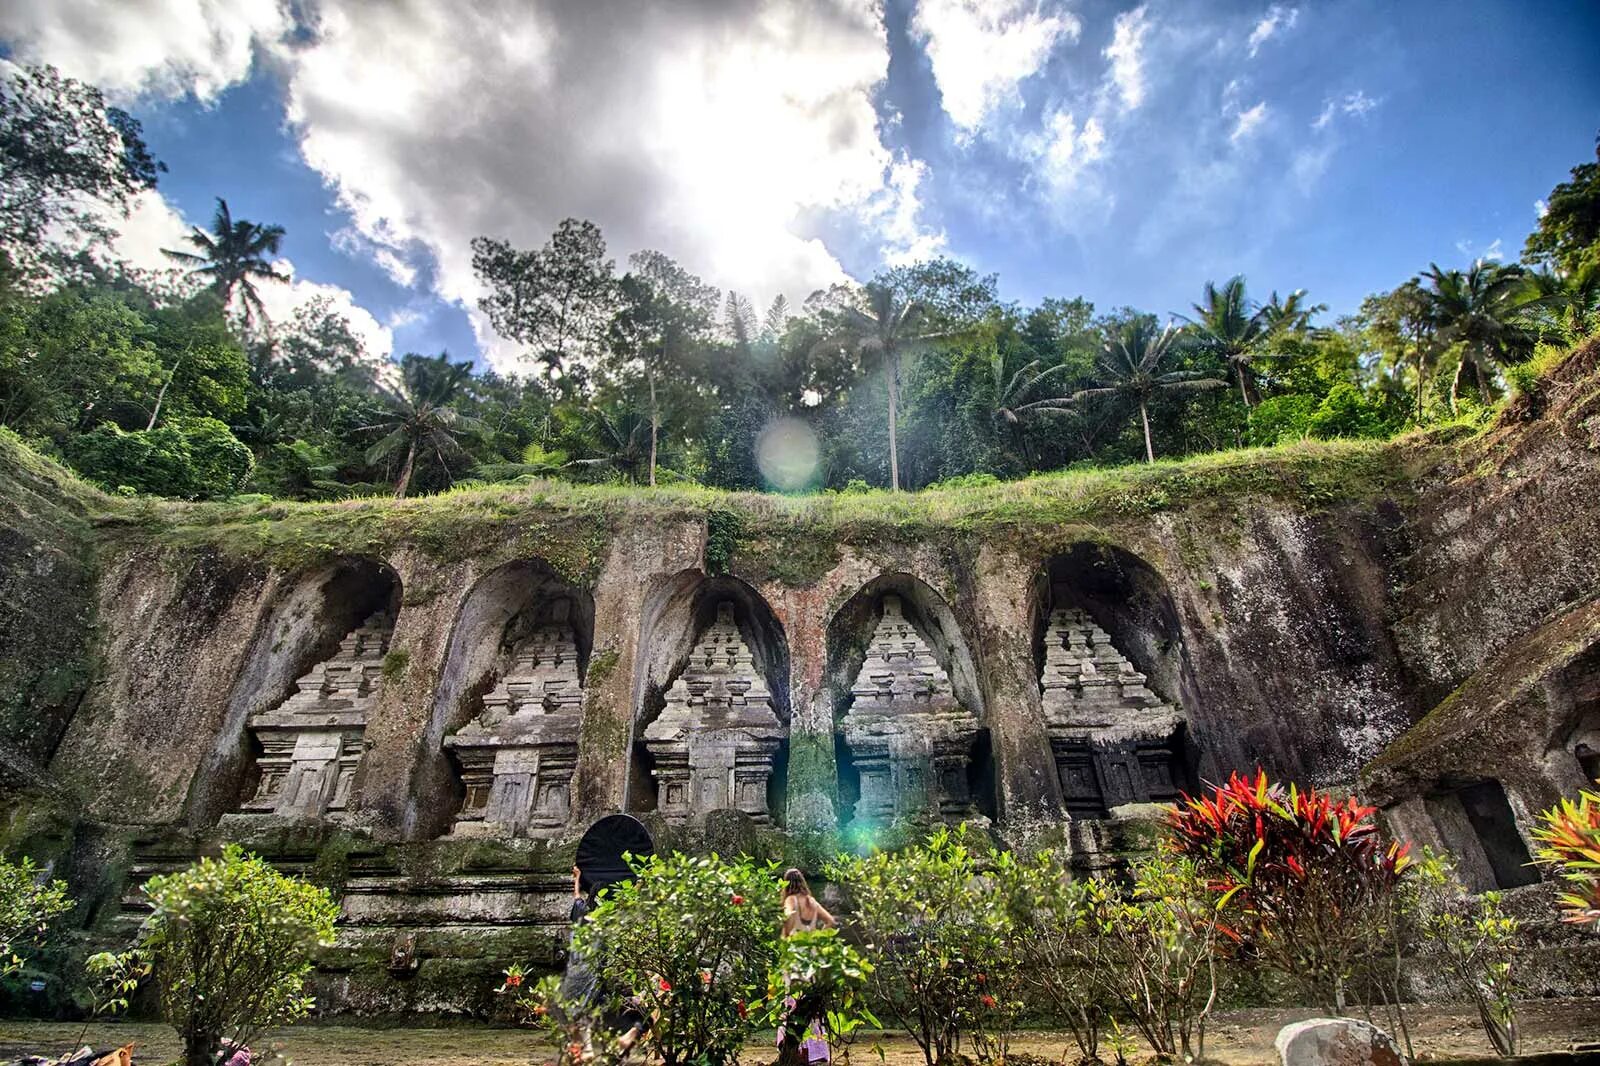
x: 518, y: 755
x: 310, y: 743
x: 716, y: 740
x: 1115, y: 742
x: 909, y: 738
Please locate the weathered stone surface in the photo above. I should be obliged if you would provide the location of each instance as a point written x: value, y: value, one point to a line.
x: 1336, y: 1042
x: 910, y: 740
x: 310, y: 744
x: 715, y: 740
x: 1115, y: 741
x: 517, y: 757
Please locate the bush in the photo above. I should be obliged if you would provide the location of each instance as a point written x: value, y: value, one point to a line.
x: 1569, y: 839
x: 1347, y: 412
x: 826, y: 978
x: 188, y: 459
x: 1475, y: 942
x: 936, y: 930
x: 691, y: 941
x: 1304, y: 878
x: 29, y: 902
x: 1282, y: 419
x: 230, y: 942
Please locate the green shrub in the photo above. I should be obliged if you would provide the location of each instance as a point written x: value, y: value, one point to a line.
x: 692, y: 942
x: 230, y: 942
x: 1347, y: 412
x: 29, y: 902
x: 1475, y: 944
x: 1282, y: 419
x: 937, y: 933
x: 826, y: 978
x: 187, y: 459
x: 221, y: 464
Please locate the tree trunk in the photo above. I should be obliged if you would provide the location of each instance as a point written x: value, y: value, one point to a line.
x: 200, y: 1049
x: 405, y: 472
x: 1149, y: 449
x: 161, y: 396
x: 1244, y: 388
x: 894, y: 405
x: 655, y: 425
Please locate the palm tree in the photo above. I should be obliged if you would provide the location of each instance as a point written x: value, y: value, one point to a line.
x: 420, y: 418
x: 884, y: 325
x: 1227, y: 327
x: 1130, y: 369
x: 1481, y: 310
x: 232, y: 254
x: 1016, y: 399
x: 623, y: 442
x: 1290, y: 315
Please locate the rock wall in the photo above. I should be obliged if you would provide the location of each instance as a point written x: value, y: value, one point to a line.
x: 1298, y: 610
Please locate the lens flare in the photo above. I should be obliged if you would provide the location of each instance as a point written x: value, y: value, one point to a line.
x: 787, y: 452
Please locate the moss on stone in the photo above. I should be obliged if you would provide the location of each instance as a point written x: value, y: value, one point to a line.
x: 602, y: 664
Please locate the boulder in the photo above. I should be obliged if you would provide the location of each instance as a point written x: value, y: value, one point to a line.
x: 1336, y: 1042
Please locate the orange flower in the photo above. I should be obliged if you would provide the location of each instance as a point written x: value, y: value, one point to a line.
x: 513, y: 980
x: 737, y: 899
x: 666, y: 985
x: 987, y: 1000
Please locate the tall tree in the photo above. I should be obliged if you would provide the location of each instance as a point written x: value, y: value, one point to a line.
x: 1480, y: 309
x: 1231, y: 330
x: 421, y: 419
x: 1292, y: 314
x: 1032, y: 391
x: 1404, y: 318
x: 1131, y: 371
x: 233, y: 255
x: 881, y: 325
x: 1568, y: 235
x: 558, y: 300
x: 66, y: 162
x: 666, y: 316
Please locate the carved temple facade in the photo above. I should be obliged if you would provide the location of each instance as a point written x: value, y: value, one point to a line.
x: 310, y: 744
x: 1115, y: 742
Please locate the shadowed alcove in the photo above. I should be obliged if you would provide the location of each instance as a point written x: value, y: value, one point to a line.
x: 1114, y: 683
x: 311, y: 616
x: 901, y: 600
x: 504, y: 608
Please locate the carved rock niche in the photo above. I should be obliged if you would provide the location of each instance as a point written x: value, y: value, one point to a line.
x: 517, y: 756
x: 715, y: 743
x: 909, y: 739
x: 1115, y: 742
x: 310, y: 744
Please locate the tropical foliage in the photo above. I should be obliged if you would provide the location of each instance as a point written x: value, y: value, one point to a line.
x: 29, y: 902
x: 1568, y: 835
x: 230, y: 941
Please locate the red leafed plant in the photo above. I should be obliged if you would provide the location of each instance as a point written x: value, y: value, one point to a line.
x: 1304, y: 880
x: 1569, y: 839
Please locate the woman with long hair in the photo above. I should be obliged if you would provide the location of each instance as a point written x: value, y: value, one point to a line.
x: 802, y: 914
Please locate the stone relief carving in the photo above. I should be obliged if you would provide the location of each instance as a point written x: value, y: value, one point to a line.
x: 715, y: 741
x: 310, y: 743
x: 908, y: 737
x: 1115, y: 742
x: 518, y: 755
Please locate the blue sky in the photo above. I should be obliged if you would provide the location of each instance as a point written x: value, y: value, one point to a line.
x: 1126, y: 153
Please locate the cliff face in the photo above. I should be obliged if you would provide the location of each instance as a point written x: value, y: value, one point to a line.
x: 1303, y: 608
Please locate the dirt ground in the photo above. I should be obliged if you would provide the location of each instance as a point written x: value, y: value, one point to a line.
x: 1238, y: 1038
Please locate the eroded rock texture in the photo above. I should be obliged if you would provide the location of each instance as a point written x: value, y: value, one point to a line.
x: 715, y: 741
x: 910, y: 740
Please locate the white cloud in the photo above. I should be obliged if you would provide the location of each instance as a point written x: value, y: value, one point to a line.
x: 896, y: 211
x: 1277, y: 18
x: 1469, y: 249
x: 1065, y: 149
x: 1355, y: 103
x: 1248, y: 121
x: 981, y: 50
x: 1125, y: 53
x: 282, y: 301
x: 1540, y: 209
x: 133, y: 47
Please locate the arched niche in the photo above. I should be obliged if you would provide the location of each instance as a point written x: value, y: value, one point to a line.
x: 1114, y: 682
x: 502, y: 610
x: 680, y: 613
x: 313, y: 615
x: 941, y: 766
x: 1572, y: 758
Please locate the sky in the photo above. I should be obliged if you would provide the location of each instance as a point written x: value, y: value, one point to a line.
x: 1122, y: 152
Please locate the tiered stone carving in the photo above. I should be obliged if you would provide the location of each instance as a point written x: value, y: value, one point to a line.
x: 715, y: 741
x: 908, y: 737
x: 310, y: 743
x: 1115, y: 742
x: 517, y: 757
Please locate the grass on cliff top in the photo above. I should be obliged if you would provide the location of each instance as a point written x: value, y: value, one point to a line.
x: 559, y: 516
